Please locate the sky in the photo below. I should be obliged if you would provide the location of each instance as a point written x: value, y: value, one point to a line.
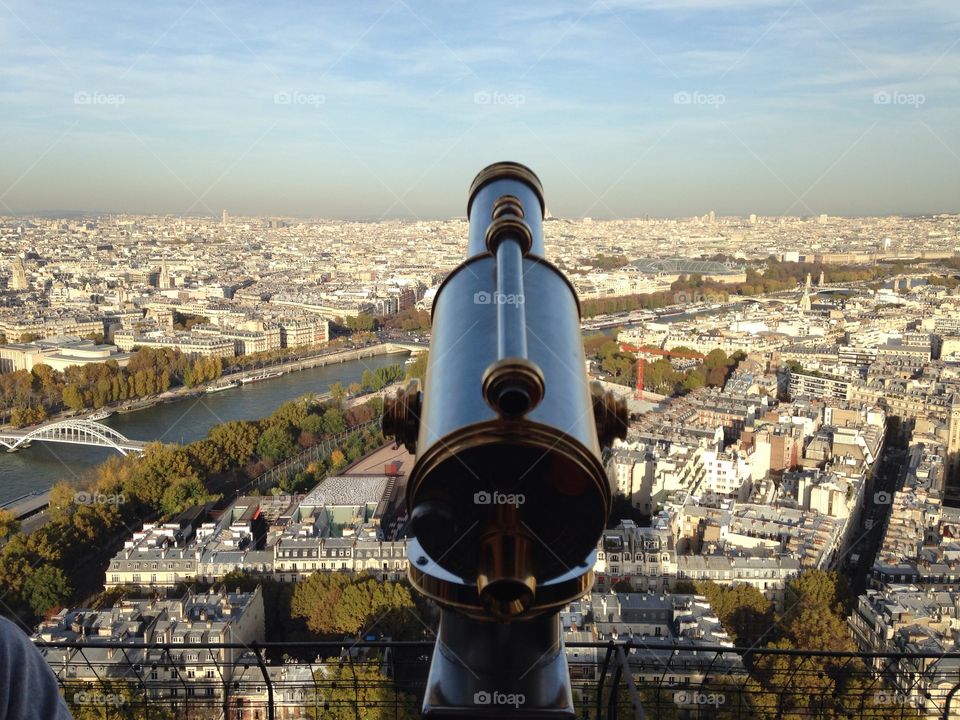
x: 387, y: 109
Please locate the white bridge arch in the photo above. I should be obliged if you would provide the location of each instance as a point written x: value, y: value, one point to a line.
x: 72, y: 432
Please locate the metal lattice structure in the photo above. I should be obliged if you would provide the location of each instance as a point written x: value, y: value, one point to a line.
x: 72, y: 432
x: 283, y: 681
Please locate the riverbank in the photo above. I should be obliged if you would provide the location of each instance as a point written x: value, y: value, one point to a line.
x: 183, y: 419
x: 284, y: 366
x: 31, y: 508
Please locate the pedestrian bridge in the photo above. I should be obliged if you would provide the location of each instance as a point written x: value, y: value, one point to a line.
x: 71, y: 432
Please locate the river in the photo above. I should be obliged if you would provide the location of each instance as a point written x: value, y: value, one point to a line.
x: 43, y: 464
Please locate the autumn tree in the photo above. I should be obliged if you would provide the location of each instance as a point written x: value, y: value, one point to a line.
x: 8, y: 524
x: 369, y: 604
x: 358, y: 690
x: 315, y: 598
x: 236, y: 439
x: 338, y: 394
x: 184, y: 493
x: 418, y: 368
x: 276, y: 444
x: 745, y: 613
x: 159, y: 467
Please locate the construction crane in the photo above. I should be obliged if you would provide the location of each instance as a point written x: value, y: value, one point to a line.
x: 624, y: 347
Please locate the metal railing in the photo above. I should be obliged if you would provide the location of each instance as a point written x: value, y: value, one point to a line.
x: 611, y: 681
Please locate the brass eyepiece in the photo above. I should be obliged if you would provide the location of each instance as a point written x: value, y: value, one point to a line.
x: 505, y: 580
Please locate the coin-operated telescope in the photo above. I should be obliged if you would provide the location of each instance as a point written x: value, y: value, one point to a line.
x: 508, y: 496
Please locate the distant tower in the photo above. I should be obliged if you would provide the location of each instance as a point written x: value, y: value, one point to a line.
x: 225, y: 218
x: 164, y: 281
x: 753, y: 219
x: 712, y: 217
x: 19, y: 280
x: 805, y: 298
x: 822, y: 220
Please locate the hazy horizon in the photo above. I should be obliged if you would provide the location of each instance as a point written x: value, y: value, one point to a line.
x: 625, y: 108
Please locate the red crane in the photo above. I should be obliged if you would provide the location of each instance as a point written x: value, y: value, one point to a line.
x: 624, y: 347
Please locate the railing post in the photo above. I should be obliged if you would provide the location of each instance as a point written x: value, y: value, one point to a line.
x: 948, y: 700
x: 603, y: 676
x: 631, y: 687
x: 271, y: 710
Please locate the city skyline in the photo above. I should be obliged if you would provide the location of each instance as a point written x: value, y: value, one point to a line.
x: 624, y: 109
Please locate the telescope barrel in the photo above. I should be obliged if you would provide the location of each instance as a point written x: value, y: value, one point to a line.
x: 508, y: 495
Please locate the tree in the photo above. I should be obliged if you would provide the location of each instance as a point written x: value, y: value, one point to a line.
x: 125, y: 703
x: 359, y: 691
x: 45, y: 588
x: 333, y: 422
x: 337, y: 459
x: 368, y: 604
x: 276, y: 444
x: 315, y: 598
x: 183, y: 494
x: 236, y: 439
x: 813, y: 616
x: 159, y: 467
x: 338, y: 394
x: 715, y: 358
x: 207, y: 457
x: 9, y: 525
x: 418, y: 368
x: 290, y: 414
x: 62, y: 498
x: 336, y: 603
x: 744, y: 611
x: 694, y: 379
